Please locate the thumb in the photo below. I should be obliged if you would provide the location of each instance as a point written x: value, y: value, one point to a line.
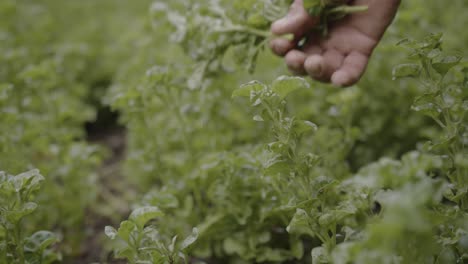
x: 296, y: 22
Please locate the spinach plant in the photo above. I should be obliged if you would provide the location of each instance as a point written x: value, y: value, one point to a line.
x: 17, y: 195
x: 140, y: 241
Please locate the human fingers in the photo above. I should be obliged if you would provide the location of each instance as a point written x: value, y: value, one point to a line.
x: 295, y: 61
x: 296, y: 22
x: 281, y: 46
x: 322, y: 66
x: 352, y: 69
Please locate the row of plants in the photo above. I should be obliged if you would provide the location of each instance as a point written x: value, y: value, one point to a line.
x: 43, y: 107
x: 51, y: 75
x: 319, y: 175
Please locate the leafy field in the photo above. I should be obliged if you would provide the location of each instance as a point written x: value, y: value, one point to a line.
x: 166, y: 132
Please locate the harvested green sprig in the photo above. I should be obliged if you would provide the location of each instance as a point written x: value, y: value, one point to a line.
x: 242, y: 26
x: 330, y: 10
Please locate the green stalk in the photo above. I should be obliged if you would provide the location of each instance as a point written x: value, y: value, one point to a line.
x: 249, y: 30
x: 4, y: 255
x: 253, y: 31
x: 19, y: 244
x: 348, y: 9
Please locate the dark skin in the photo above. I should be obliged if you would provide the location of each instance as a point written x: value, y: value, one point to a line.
x: 342, y: 56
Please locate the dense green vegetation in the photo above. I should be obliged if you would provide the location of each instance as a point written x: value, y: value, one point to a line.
x: 228, y: 159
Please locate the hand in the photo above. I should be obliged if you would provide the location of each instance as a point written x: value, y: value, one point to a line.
x: 341, y: 57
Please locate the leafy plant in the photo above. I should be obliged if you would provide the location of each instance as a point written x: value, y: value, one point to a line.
x: 17, y: 195
x: 142, y: 243
x: 445, y: 101
x: 293, y: 197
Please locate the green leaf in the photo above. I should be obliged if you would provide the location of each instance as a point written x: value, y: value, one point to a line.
x: 247, y: 89
x: 300, y: 224
x: 158, y: 74
x: 14, y: 216
x: 271, y: 255
x: 125, y: 253
x: 190, y: 239
x: 406, y: 70
x: 28, y: 181
x: 327, y: 220
x: 297, y: 247
x: 234, y: 246
x: 143, y: 215
x: 335, y: 216
x: 285, y: 85
x: 463, y: 242
x: 110, y: 232
x: 125, y: 230
x: 196, y: 79
x: 40, y: 240
x: 319, y: 255
x: 444, y: 66
x: 172, y: 246
x: 258, y: 118
x: 161, y: 198
x: 447, y: 255
x: 434, y: 54
x: 426, y: 105
x: 304, y: 126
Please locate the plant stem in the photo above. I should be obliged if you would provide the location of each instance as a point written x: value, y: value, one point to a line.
x: 348, y: 9
x: 249, y: 30
x: 4, y: 255
x: 19, y: 244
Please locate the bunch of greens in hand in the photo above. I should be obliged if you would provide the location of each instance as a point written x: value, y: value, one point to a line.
x: 330, y: 10
x: 215, y: 29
